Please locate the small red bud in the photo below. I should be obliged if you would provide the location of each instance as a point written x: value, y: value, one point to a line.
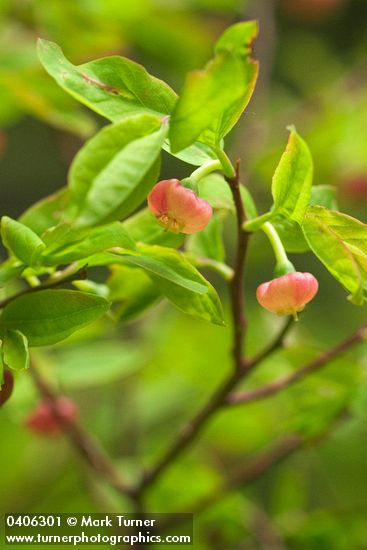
x: 354, y: 187
x: 287, y: 295
x: 43, y: 420
x: 177, y: 208
x: 7, y: 388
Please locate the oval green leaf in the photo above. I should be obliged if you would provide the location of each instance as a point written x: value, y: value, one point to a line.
x: 292, y: 180
x: 48, y: 316
x: 21, y: 241
x: 340, y: 243
x: 15, y: 350
x: 179, y: 281
x: 67, y: 244
x: 115, y: 170
x: 114, y: 87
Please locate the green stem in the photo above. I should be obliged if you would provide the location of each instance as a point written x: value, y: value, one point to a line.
x: 256, y: 223
x: 33, y: 281
x: 276, y: 243
x: 205, y: 169
x: 221, y: 268
x: 226, y: 164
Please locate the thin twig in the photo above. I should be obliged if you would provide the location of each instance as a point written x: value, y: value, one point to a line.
x: 70, y: 273
x: 86, y: 446
x: 239, y: 398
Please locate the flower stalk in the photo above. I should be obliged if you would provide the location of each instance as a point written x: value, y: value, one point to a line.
x: 283, y: 265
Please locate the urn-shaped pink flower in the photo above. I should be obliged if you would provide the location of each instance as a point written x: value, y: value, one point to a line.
x: 43, y: 420
x: 287, y: 295
x: 177, y: 208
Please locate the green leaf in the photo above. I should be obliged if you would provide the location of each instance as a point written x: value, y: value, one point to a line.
x: 9, y: 270
x: 196, y: 154
x: 209, y: 242
x: 114, y: 87
x: 292, y: 181
x: 65, y: 244
x: 144, y: 227
x: 179, y: 281
x: 215, y: 190
x: 15, y: 350
x: 290, y: 234
x: 324, y: 195
x: 213, y: 99
x: 206, y: 95
x: 340, y: 243
x: 115, y: 170
x: 238, y: 38
x: 86, y: 285
x: 21, y: 241
x: 169, y: 265
x: 45, y: 213
x: 133, y: 290
x: 48, y: 316
x: 174, y: 276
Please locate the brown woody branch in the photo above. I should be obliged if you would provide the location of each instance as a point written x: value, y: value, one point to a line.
x: 236, y: 284
x: 283, y: 383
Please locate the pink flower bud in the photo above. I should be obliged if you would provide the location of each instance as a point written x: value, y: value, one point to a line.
x: 177, y: 208
x: 43, y: 420
x: 287, y: 295
x: 7, y: 387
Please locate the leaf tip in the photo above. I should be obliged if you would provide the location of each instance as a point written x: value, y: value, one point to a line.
x: 292, y: 128
x: 45, y: 48
x: 174, y: 142
x: 42, y: 44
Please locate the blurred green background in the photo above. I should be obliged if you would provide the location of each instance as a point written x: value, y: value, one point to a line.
x: 136, y: 383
